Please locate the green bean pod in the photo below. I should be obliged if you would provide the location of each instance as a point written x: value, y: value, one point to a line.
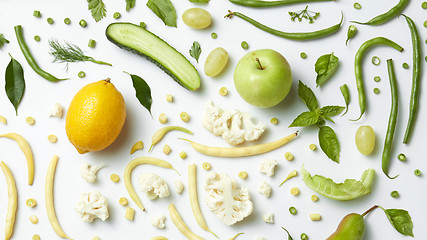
x: 262, y: 4
x: 293, y: 36
x: 358, y: 66
x: 385, y: 17
x: 416, y: 78
x: 391, y: 121
x: 27, y: 54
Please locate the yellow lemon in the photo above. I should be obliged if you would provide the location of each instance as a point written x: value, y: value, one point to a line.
x: 95, y: 117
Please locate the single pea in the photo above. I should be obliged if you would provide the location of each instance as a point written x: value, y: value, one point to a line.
x: 30, y: 120
x: 114, y: 178
x: 81, y: 74
x: 274, y: 121
x: 223, y: 91
x: 37, y: 38
x: 295, y: 191
x: 293, y: 210
x: 183, y: 155
x: 34, y: 219
x: 83, y: 23
x: 142, y: 24
x: 67, y: 21
x: 163, y: 118
x: 31, y: 202
x: 243, y: 175
x: 405, y: 65
x: 36, y: 237
x: 425, y: 41
x: 52, y: 138
x: 37, y: 14
x: 377, y: 78
x: 313, y: 147
x: 169, y: 97
x: 424, y: 5
x: 207, y: 166
x: 303, y: 55
x: 425, y: 58
x: 245, y: 45
x: 425, y: 24
x: 402, y: 157
x: 304, y: 236
x: 92, y: 43
x: 376, y: 60
x: 394, y: 194
x: 214, y: 35
x: 357, y: 5
x: 116, y: 15
x: 289, y: 156
x: 376, y: 90
x: 123, y: 201
x: 314, y: 198
x: 50, y: 20
x: 185, y: 117
x: 417, y: 172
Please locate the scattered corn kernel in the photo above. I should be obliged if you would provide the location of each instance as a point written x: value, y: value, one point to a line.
x: 274, y: 121
x: 163, y: 118
x: 137, y: 146
x: 243, y: 175
x: 130, y: 213
x: 292, y: 174
x: 96, y: 238
x: 313, y: 147
x: 315, y: 217
x: 123, y: 201
x: 36, y: 237
x: 289, y: 156
x: 3, y: 120
x: 295, y: 191
x: 169, y: 97
x: 314, y: 198
x: 223, y: 91
x: 31, y: 202
x: 52, y: 138
x: 30, y: 120
x: 34, y: 219
x: 167, y: 149
x: 185, y: 117
x: 207, y: 166
x: 183, y: 155
x: 114, y: 177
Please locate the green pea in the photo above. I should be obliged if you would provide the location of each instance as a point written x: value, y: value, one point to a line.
x: 50, y: 21
x: 417, y: 172
x: 81, y: 74
x: 142, y: 24
x: 377, y: 78
x: 405, y: 65
x: 424, y: 5
x: 245, y: 45
x: 214, y: 35
x: 303, y: 55
x: 116, y: 15
x: 304, y: 236
x: 425, y: 24
x: 357, y: 5
x: 83, y: 23
x: 401, y: 157
x: 37, y: 38
x: 92, y: 43
x: 425, y: 58
x: 376, y: 60
x: 376, y: 90
x: 37, y: 14
x: 394, y: 194
x: 293, y: 210
x: 67, y: 21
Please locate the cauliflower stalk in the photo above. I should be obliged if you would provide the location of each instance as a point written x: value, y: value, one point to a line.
x: 230, y: 202
x: 92, y: 205
x: 154, y: 186
x: 234, y: 126
x: 88, y: 172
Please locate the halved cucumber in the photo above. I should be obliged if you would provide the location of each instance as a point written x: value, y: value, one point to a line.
x: 141, y: 41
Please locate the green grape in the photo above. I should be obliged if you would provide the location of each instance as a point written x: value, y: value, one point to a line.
x: 197, y: 18
x: 216, y: 61
x: 365, y: 140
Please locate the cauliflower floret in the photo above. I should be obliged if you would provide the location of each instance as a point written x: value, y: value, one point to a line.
x: 56, y: 111
x: 88, y: 172
x: 179, y: 186
x: 235, y: 135
x: 229, y: 201
x: 268, y: 218
x: 264, y: 189
x: 253, y: 130
x: 154, y: 186
x: 92, y: 205
x: 211, y: 115
x: 158, y: 222
x: 268, y: 167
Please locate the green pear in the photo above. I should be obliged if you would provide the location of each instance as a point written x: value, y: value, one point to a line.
x: 351, y: 227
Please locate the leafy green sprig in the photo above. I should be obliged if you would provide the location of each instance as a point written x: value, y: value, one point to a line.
x: 307, y: 14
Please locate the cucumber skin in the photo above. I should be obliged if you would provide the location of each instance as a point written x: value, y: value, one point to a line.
x: 175, y: 78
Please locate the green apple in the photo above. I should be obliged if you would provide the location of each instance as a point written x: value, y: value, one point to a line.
x: 263, y: 78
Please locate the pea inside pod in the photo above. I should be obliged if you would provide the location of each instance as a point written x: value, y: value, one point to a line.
x: 197, y: 18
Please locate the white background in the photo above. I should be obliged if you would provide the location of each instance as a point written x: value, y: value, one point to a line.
x: 40, y: 95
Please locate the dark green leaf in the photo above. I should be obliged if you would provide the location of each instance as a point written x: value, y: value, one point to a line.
x: 305, y: 119
x: 325, y: 67
x: 346, y: 94
x: 165, y: 10
x: 195, y: 51
x: 3, y: 40
x: 97, y: 8
x: 15, y: 83
x: 143, y: 91
x: 329, y: 143
x: 307, y: 96
x: 331, y: 110
x: 401, y: 221
x: 289, y: 235
x: 130, y: 4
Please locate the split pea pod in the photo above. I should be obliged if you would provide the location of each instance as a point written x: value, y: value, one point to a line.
x: 293, y: 36
x: 26, y: 149
x: 159, y: 134
x: 262, y: 4
x: 388, y: 144
x: 241, y: 151
x: 416, y: 78
x: 385, y: 17
x: 136, y: 162
x: 180, y: 224
x: 358, y: 66
x: 12, y: 205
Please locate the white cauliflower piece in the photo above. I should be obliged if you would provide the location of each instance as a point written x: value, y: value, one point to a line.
x: 56, y: 111
x: 179, y: 186
x: 229, y: 201
x: 88, y: 172
x: 264, y: 189
x: 268, y: 167
x: 268, y: 218
x: 158, y: 221
x: 234, y: 126
x: 92, y: 205
x: 154, y: 186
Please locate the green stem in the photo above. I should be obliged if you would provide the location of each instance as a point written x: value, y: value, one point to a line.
x: 99, y: 62
x: 370, y: 210
x: 260, y: 66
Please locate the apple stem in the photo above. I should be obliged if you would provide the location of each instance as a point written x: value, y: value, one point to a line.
x: 369, y: 210
x: 260, y: 66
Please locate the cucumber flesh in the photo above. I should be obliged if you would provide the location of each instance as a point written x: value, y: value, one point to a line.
x: 141, y: 41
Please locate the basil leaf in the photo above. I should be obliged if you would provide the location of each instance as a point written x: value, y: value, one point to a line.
x: 331, y: 110
x: 307, y: 96
x: 143, y: 91
x: 289, y: 235
x: 325, y: 67
x: 15, y: 83
x: 165, y: 10
x: 305, y: 119
x: 346, y: 94
x: 129, y: 5
x: 3, y: 40
x: 401, y: 221
x: 195, y: 51
x: 329, y: 143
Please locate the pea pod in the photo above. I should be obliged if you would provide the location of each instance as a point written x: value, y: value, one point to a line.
x: 385, y: 17
x: 262, y: 4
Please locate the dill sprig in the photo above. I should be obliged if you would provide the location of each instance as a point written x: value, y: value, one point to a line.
x: 307, y: 14
x: 70, y: 53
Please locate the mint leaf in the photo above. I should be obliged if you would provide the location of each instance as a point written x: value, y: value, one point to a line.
x: 307, y: 96
x: 3, y: 40
x: 97, y: 8
x: 129, y: 5
x: 195, y: 51
x: 331, y: 110
x: 325, y: 67
x: 329, y: 143
x: 165, y: 10
x: 305, y: 119
x: 15, y: 83
x: 401, y: 221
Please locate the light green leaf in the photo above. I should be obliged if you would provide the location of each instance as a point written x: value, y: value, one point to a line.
x: 307, y: 96
x: 97, y: 8
x: 331, y: 110
x: 305, y: 119
x: 3, y: 40
x: 165, y: 10
x: 325, y: 67
x: 401, y: 221
x: 195, y: 51
x: 329, y: 143
x: 346, y: 94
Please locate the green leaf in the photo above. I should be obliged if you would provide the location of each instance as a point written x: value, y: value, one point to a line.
x: 307, y: 96
x: 346, y: 94
x: 305, y: 119
x: 97, y: 8
x: 3, y: 40
x: 289, y: 235
x: 143, y: 91
x: 329, y: 143
x: 348, y: 190
x: 331, y: 110
x: 325, y: 67
x: 165, y: 10
x: 130, y: 4
x: 401, y: 221
x: 195, y: 51
x: 15, y: 83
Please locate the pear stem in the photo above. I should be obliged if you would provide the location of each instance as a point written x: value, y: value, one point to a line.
x: 260, y: 66
x: 369, y: 210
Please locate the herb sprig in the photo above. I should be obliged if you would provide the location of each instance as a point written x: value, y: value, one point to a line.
x: 3, y: 40
x: 195, y: 50
x: 307, y: 14
x: 97, y: 8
